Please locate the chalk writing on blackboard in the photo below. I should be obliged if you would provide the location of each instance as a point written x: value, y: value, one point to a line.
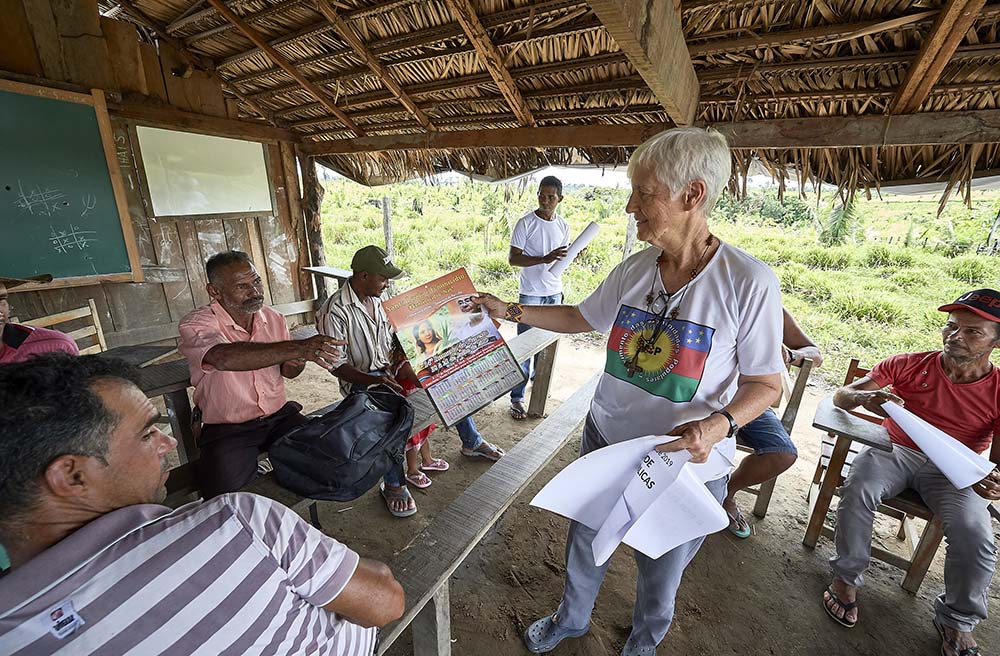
x: 63, y: 241
x: 89, y: 202
x: 44, y: 202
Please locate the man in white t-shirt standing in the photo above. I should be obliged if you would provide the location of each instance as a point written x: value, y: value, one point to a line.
x: 540, y: 238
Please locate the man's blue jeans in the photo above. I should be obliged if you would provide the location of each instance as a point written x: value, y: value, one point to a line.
x: 517, y: 394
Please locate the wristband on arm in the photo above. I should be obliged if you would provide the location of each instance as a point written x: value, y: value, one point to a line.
x: 514, y: 312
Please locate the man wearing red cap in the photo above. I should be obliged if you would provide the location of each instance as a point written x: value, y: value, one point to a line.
x: 957, y: 390
x: 17, y: 342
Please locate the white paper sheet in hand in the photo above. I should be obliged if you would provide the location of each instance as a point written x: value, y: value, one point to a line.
x: 578, y: 245
x: 960, y: 464
x: 592, y: 490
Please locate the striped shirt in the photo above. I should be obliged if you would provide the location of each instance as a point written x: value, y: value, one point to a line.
x: 369, y: 341
x: 240, y: 574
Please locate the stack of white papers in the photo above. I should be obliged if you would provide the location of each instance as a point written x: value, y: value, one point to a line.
x: 629, y: 492
x: 960, y: 464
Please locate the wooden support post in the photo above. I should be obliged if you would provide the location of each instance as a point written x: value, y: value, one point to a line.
x: 312, y: 202
x: 387, y: 230
x: 826, y: 490
x: 432, y: 626
x: 923, y: 556
x: 544, y: 362
x: 179, y: 413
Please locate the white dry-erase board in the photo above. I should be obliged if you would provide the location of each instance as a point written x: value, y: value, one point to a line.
x: 196, y: 174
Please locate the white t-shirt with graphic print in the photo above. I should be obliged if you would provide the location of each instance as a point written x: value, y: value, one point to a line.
x: 729, y: 323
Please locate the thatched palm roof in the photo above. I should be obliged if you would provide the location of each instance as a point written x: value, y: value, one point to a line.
x: 755, y: 60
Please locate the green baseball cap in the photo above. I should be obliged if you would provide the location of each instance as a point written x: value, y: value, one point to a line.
x: 372, y: 259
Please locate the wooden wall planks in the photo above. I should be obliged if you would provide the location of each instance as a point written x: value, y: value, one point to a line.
x: 43, y: 39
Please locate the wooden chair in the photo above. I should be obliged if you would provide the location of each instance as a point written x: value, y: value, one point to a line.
x: 84, y: 326
x: 794, y: 398
x: 905, y: 507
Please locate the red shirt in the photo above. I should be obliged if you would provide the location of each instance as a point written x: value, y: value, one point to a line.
x: 969, y: 412
x: 232, y: 397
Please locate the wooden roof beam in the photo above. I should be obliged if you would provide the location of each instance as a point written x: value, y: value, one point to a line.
x: 423, y: 37
x: 650, y: 33
x: 572, y: 136
x: 206, y: 65
x: 352, y: 38
x: 928, y: 129
x: 490, y: 58
x: 280, y: 60
x: 936, y: 51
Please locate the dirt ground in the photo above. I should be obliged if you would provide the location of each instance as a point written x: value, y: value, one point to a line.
x: 759, y: 596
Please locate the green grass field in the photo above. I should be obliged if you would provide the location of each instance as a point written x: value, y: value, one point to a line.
x: 867, y: 298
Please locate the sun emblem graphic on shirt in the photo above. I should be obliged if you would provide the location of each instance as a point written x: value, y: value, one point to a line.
x: 656, y: 360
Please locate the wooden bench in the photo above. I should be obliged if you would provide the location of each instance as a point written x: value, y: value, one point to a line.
x: 454, y: 533
x: 170, y: 380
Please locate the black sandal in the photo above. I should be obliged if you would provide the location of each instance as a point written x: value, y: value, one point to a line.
x: 968, y: 651
x: 848, y: 606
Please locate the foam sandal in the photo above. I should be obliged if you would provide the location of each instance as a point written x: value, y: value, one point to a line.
x: 544, y: 634
x: 484, y: 450
x: 419, y: 480
x: 438, y: 464
x: 517, y: 410
x: 739, y: 526
x: 848, y: 606
x: 401, y: 494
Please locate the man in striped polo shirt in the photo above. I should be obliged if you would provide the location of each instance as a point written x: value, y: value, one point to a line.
x: 99, y: 567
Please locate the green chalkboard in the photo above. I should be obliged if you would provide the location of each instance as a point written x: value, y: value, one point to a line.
x: 57, y: 205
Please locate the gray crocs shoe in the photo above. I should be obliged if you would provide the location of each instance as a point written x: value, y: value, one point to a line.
x: 630, y: 649
x: 544, y: 634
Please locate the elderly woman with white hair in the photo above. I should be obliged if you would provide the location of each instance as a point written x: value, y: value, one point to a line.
x: 694, y: 352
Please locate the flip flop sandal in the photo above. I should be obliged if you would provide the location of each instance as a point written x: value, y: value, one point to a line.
x: 968, y: 651
x: 484, y: 450
x: 517, y: 411
x: 438, y: 464
x: 419, y: 480
x: 544, y: 634
x: 739, y: 526
x: 394, y: 495
x: 847, y: 606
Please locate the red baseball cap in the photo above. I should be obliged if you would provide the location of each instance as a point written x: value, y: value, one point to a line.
x: 984, y: 302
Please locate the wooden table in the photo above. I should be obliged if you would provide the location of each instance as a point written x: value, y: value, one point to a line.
x: 340, y: 275
x: 848, y: 428
x: 140, y: 356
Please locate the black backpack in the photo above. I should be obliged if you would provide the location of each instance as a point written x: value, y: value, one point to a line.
x: 341, y: 455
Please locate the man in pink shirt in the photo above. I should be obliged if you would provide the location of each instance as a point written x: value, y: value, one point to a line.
x: 238, y: 351
x: 957, y: 390
x: 19, y: 342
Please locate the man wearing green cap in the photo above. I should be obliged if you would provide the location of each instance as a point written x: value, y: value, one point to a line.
x: 355, y: 314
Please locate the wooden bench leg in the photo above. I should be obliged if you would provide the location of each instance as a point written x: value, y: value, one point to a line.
x: 432, y: 625
x: 764, y: 498
x: 543, y: 376
x: 314, y: 515
x: 179, y: 412
x: 825, y: 496
x: 923, y: 556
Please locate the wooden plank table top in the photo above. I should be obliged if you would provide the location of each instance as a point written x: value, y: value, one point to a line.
x: 140, y: 356
x: 330, y: 272
x: 841, y: 422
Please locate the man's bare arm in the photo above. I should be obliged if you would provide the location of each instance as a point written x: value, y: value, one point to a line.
x: 355, y: 376
x: 866, y: 393
x: 373, y: 596
x: 797, y: 342
x: 250, y: 356
x: 557, y: 318
x: 517, y: 258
